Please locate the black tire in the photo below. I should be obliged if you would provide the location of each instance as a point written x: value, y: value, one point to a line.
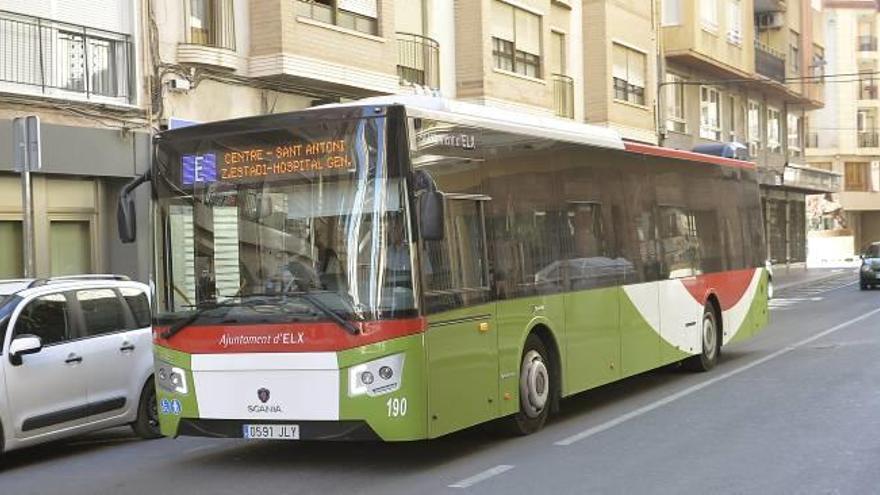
x: 710, y: 337
x: 863, y: 285
x: 146, y: 425
x: 536, y: 389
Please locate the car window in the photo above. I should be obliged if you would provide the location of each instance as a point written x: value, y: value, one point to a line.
x: 47, y: 317
x: 102, y: 311
x: 7, y: 306
x: 139, y: 304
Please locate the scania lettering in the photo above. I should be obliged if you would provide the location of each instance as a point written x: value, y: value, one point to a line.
x: 445, y: 265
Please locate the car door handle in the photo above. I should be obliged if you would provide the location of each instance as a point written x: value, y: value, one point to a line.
x: 126, y: 347
x: 73, y: 358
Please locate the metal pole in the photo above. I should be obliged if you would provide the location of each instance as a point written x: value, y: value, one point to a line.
x: 27, y: 205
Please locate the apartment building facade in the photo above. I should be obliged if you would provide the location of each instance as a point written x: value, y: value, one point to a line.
x: 843, y: 136
x: 748, y: 71
x: 78, y: 66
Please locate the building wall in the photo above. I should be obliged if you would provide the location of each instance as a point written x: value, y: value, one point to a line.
x: 631, y: 24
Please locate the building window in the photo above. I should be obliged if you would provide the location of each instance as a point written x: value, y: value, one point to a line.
x: 516, y: 40
x: 709, y: 14
x: 866, y: 124
x: 794, y: 52
x: 558, y: 58
x: 754, y: 125
x: 710, y: 113
x: 629, y: 74
x: 856, y: 176
x: 734, y: 22
x: 70, y: 247
x: 671, y: 15
x: 12, y: 261
x: 818, y: 67
x: 867, y: 40
x: 212, y: 23
x: 357, y: 15
x: 774, y: 144
x: 676, y: 119
x: 795, y: 136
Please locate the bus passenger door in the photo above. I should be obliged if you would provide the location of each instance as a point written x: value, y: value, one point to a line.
x: 461, y: 342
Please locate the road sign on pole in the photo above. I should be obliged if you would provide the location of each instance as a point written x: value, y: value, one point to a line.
x: 26, y: 143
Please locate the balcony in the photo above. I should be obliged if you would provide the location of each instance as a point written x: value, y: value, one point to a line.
x: 64, y: 60
x: 769, y: 62
x: 210, y: 39
x: 868, y: 139
x: 563, y: 96
x: 418, y: 60
x: 867, y: 43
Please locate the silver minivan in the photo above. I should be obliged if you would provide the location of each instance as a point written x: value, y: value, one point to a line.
x: 75, y: 356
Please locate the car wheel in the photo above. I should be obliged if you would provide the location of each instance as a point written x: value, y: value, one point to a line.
x: 146, y: 425
x: 536, y: 392
x: 711, y: 344
x: 863, y: 286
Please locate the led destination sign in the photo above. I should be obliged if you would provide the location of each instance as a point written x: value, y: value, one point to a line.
x: 266, y: 162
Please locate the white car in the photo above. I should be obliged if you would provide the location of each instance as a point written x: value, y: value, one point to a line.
x: 75, y: 356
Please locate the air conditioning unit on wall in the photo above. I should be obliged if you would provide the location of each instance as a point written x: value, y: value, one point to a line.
x: 770, y: 20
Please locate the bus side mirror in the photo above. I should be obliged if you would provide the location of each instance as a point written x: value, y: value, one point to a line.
x: 431, y: 215
x: 126, y: 219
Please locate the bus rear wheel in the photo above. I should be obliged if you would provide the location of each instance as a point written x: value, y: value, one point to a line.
x: 711, y: 343
x: 535, y: 389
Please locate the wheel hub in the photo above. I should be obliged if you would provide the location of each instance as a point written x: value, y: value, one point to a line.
x: 534, y: 384
x: 710, y: 345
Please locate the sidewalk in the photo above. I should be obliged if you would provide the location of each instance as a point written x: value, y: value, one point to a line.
x: 798, y: 274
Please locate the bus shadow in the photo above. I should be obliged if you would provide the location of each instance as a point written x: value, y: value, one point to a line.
x: 581, y: 405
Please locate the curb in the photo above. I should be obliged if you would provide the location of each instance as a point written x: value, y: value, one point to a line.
x: 808, y: 281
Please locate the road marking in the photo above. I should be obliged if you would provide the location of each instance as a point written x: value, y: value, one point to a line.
x: 483, y: 476
x: 695, y: 388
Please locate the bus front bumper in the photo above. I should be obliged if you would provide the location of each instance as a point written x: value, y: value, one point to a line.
x: 308, y: 430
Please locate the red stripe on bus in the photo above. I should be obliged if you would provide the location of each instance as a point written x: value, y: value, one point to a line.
x: 728, y: 287
x: 284, y: 337
x: 646, y: 149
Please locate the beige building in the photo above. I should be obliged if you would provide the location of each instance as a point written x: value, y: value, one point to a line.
x: 77, y: 65
x: 843, y: 136
x: 747, y: 71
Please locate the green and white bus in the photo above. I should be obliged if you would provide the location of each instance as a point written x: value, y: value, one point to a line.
x: 404, y: 267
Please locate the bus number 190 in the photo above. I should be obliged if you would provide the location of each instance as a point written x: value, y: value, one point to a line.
x: 396, y: 407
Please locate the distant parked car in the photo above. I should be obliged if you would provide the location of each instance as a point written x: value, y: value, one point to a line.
x: 75, y: 356
x: 869, y: 274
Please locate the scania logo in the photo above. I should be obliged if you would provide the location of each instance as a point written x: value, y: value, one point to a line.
x: 263, y: 395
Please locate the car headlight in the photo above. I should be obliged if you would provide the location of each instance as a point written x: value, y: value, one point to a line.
x: 375, y: 378
x: 171, y: 378
x: 866, y: 268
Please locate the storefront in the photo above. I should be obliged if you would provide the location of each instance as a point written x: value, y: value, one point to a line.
x: 783, y: 197
x: 74, y: 198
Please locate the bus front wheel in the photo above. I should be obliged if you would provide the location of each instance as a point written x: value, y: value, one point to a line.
x: 535, y: 389
x: 711, y: 343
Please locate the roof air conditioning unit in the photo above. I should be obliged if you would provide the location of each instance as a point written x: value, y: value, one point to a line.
x: 770, y: 20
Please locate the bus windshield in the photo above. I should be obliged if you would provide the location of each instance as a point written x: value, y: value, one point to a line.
x: 286, y: 225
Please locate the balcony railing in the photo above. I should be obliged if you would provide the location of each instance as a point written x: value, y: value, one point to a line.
x: 418, y: 60
x: 216, y: 29
x: 869, y: 139
x: 867, y: 43
x: 769, y: 62
x: 563, y: 95
x: 60, y: 58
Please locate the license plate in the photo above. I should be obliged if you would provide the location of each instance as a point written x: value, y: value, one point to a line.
x: 271, y: 432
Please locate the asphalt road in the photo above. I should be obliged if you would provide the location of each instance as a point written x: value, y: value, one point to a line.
x: 795, y: 410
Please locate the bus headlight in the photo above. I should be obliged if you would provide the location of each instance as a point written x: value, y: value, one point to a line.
x: 375, y: 378
x: 171, y: 378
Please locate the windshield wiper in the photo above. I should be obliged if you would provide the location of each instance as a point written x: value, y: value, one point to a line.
x: 347, y: 325
x: 189, y: 320
x: 180, y: 325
